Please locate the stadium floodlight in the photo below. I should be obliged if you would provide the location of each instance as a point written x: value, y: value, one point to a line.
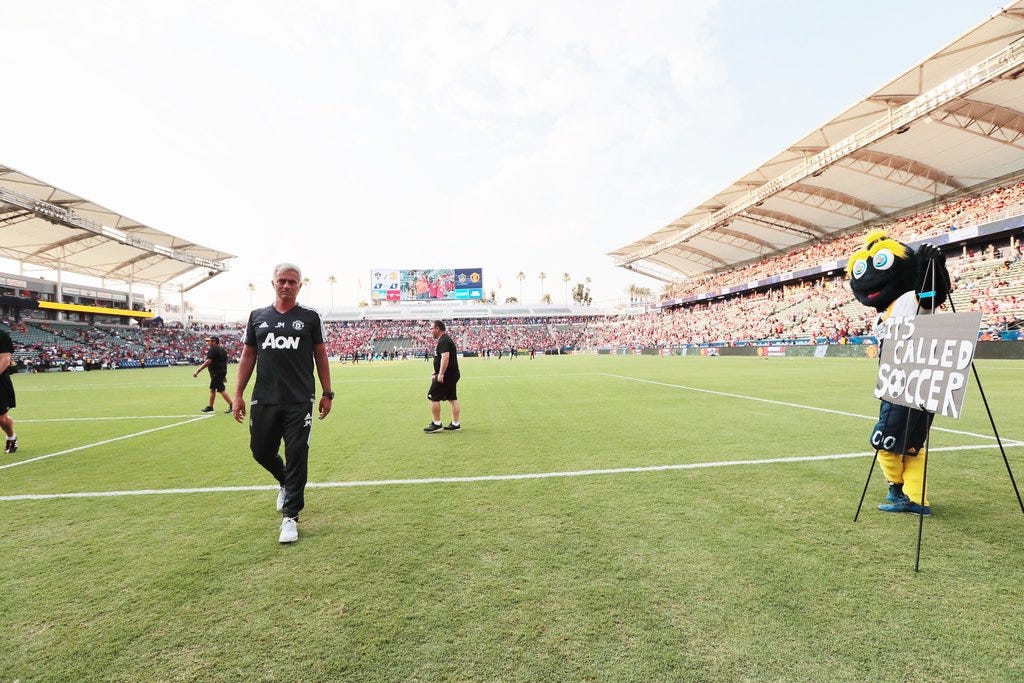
x: 114, y: 233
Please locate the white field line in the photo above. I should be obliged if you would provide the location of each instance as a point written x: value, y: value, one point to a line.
x: 116, y: 417
x: 464, y: 480
x: 102, y: 443
x: 744, y: 397
x: 72, y: 387
x: 198, y: 385
x: 475, y: 377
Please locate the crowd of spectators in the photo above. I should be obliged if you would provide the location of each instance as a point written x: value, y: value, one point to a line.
x: 373, y: 338
x: 964, y: 212
x: 989, y: 279
x: 41, y: 346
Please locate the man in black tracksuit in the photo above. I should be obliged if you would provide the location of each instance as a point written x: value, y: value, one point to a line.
x: 282, y: 343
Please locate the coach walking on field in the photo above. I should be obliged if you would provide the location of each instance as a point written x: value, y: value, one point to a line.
x: 282, y: 343
x: 444, y: 380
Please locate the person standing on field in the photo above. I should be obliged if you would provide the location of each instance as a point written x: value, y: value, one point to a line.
x: 444, y: 380
x: 283, y: 342
x: 217, y: 362
x: 7, y: 391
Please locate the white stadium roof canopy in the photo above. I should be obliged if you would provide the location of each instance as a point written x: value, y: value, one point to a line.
x: 951, y: 123
x: 45, y: 226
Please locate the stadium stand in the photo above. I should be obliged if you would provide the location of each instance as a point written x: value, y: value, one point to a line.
x: 986, y: 265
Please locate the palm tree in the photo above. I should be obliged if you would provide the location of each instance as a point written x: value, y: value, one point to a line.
x: 631, y: 291
x: 638, y: 293
x: 565, y: 279
x: 520, y: 276
x: 331, y: 280
x: 252, y: 288
x: 542, y: 277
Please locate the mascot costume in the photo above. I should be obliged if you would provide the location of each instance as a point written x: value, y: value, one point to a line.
x: 896, y: 280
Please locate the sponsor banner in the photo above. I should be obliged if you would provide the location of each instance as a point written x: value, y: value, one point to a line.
x: 926, y: 359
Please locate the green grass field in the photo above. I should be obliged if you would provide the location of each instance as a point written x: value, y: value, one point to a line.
x: 419, y: 559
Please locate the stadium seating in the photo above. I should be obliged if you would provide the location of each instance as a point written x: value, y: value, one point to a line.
x: 987, y: 278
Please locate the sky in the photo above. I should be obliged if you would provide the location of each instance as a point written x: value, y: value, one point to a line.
x: 511, y: 136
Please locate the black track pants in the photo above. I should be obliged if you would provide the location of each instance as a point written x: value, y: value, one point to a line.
x: 292, y: 423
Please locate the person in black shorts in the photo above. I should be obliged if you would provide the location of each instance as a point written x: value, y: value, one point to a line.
x: 7, y: 391
x: 217, y: 362
x: 444, y: 380
x: 282, y: 343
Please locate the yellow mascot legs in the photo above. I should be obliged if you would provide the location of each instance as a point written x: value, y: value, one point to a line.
x: 907, y: 470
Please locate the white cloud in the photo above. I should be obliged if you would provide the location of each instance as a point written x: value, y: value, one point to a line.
x: 513, y: 136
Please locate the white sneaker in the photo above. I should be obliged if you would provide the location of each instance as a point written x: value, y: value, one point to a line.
x: 280, y: 499
x: 289, y: 531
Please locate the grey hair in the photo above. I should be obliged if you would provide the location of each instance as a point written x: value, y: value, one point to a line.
x: 287, y: 266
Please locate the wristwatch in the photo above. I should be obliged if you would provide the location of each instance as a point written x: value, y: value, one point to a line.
x: 329, y: 394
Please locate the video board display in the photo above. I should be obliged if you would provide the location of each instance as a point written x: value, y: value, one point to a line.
x: 426, y: 284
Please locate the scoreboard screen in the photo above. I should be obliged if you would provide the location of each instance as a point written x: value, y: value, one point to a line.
x: 426, y: 284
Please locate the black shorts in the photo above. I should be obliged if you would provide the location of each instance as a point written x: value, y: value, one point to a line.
x: 443, y: 392
x: 217, y: 381
x: 6, y: 394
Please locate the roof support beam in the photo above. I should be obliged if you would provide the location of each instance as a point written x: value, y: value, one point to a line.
x: 648, y: 269
x: 987, y: 120
x: 749, y: 239
x: 836, y: 201
x: 710, y: 259
x: 899, y: 170
x: 783, y: 222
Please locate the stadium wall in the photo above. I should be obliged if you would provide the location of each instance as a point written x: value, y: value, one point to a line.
x: 986, y: 350
x: 1007, y: 350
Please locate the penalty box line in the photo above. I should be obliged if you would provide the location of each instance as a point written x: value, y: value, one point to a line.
x: 990, y: 437
x: 463, y: 480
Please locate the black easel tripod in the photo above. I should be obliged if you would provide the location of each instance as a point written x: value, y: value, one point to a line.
x: 930, y: 276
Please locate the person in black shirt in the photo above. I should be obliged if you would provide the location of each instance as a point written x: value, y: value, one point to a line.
x: 444, y: 380
x: 282, y: 343
x: 7, y: 391
x: 217, y: 362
